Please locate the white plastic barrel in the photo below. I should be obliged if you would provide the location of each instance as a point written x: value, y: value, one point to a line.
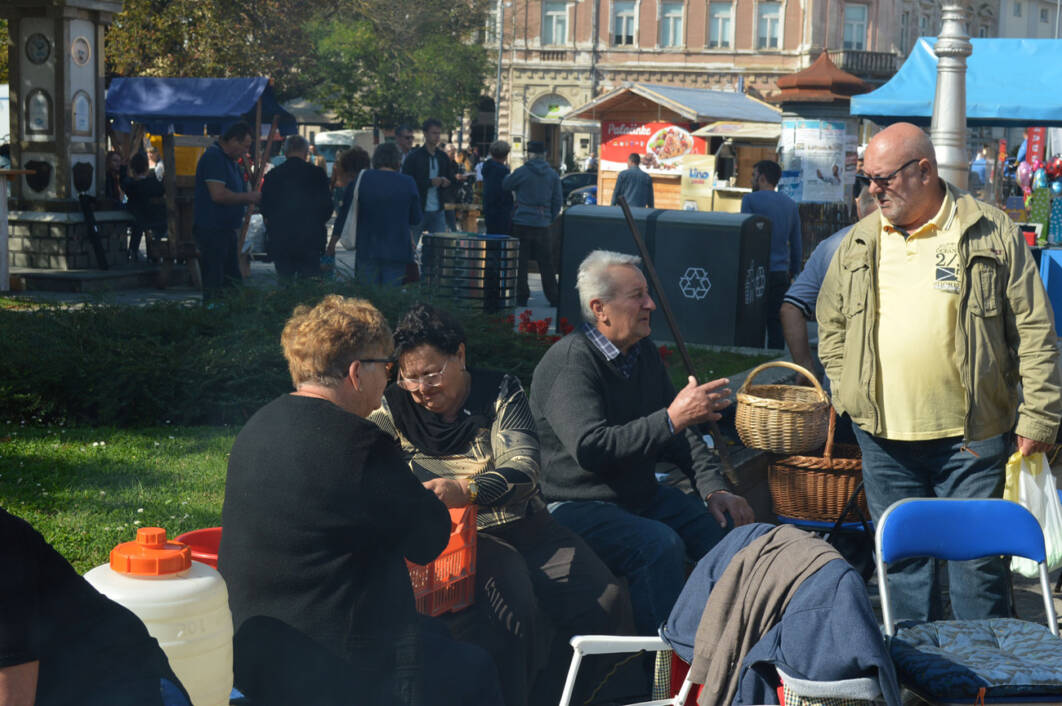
x: 184, y: 605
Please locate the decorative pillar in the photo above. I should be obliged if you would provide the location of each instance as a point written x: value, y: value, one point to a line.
x: 948, y: 129
x: 58, y: 131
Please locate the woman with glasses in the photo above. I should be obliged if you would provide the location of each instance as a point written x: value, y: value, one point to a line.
x: 468, y: 435
x: 320, y: 514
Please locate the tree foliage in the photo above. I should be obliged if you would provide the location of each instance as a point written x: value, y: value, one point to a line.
x: 392, y: 60
x: 4, y: 41
x: 217, y: 39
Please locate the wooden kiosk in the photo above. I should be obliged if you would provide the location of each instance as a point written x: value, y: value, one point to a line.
x: 189, y: 114
x: 659, y: 123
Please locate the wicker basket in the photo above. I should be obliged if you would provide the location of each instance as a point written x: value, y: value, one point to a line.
x: 782, y: 419
x: 818, y: 488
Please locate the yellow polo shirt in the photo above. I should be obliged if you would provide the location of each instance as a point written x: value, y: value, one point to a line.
x: 918, y: 381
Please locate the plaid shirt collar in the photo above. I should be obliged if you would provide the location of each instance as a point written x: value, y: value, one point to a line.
x: 623, y: 363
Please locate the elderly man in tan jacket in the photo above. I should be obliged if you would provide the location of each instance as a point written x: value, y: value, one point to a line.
x: 931, y: 315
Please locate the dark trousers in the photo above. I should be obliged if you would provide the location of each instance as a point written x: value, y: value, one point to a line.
x: 302, y: 264
x: 534, y: 243
x: 218, y: 262
x: 943, y: 468
x: 777, y: 285
x: 537, y: 585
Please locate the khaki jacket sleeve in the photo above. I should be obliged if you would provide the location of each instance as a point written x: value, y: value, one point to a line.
x: 829, y: 314
x: 1032, y: 332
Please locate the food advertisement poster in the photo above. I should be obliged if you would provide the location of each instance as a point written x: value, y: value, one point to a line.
x: 661, y: 146
x: 815, y: 158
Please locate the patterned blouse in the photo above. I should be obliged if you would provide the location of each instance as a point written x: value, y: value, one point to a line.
x: 502, y: 457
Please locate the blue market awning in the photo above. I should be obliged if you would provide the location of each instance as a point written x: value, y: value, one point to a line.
x: 188, y: 105
x: 1009, y: 82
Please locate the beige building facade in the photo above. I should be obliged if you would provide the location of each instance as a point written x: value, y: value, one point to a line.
x: 559, y: 54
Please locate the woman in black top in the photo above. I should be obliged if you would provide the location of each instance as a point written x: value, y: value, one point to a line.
x: 319, y: 517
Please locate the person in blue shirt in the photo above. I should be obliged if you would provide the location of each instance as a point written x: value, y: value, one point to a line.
x: 798, y: 306
x: 786, y: 246
x: 220, y: 199
x: 388, y: 204
x: 634, y: 185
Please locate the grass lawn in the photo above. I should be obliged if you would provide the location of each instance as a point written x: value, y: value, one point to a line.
x: 88, y: 489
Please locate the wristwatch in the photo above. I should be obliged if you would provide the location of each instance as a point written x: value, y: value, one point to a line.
x: 473, y: 490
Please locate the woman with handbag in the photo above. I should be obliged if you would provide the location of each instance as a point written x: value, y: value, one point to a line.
x: 383, y: 206
x: 348, y: 167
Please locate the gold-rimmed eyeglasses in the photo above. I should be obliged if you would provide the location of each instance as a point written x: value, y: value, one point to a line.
x: 429, y: 380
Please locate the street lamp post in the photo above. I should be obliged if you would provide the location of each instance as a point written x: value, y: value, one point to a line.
x: 497, y: 87
x: 948, y: 129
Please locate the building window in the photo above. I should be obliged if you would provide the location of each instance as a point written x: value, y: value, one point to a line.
x: 768, y: 17
x: 855, y: 27
x: 982, y: 31
x: 720, y: 15
x: 554, y: 23
x: 671, y: 24
x: 905, y: 22
x: 1017, y: 8
x: 623, y: 23
x: 923, y: 25
x: 1043, y: 14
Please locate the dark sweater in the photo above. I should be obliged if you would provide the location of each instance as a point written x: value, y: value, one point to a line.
x: 601, y: 434
x: 319, y: 512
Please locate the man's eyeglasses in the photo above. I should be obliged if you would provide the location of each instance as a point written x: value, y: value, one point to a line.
x: 884, y: 181
x: 429, y: 380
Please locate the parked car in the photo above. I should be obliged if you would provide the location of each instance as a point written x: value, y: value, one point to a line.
x: 583, y: 195
x: 576, y: 180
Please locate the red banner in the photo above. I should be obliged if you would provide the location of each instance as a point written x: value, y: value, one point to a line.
x: 661, y: 146
x: 1035, y: 147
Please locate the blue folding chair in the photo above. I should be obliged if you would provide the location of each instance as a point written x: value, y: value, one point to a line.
x: 999, y: 660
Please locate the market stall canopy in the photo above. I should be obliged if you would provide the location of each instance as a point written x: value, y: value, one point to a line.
x: 678, y: 104
x: 188, y: 105
x: 767, y: 132
x: 1009, y: 82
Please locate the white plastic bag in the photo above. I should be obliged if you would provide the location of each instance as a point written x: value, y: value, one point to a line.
x: 1031, y: 483
x: 349, y: 235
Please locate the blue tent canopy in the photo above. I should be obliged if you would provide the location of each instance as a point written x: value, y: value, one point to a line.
x: 188, y: 105
x: 1009, y: 82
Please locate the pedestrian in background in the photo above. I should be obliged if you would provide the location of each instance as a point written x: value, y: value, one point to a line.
x: 497, y: 201
x: 432, y: 172
x: 145, y: 194
x: 350, y: 163
x: 537, y: 191
x: 634, y: 185
x: 786, y: 247
x: 296, y: 204
x: 387, y: 204
x: 221, y: 196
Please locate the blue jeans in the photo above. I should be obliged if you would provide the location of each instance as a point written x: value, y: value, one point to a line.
x: 434, y: 222
x: 649, y: 547
x: 369, y: 271
x: 894, y: 470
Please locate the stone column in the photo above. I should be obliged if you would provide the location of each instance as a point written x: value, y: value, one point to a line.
x: 948, y: 129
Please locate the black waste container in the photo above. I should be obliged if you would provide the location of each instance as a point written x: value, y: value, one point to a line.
x: 712, y: 266
x: 473, y: 270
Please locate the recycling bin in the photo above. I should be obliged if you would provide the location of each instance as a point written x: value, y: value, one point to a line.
x: 712, y: 267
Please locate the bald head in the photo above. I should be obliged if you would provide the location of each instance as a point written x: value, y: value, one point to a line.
x: 902, y: 166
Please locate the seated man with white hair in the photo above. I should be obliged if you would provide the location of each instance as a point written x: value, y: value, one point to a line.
x: 606, y: 414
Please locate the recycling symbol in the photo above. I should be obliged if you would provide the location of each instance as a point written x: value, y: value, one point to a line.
x: 695, y: 283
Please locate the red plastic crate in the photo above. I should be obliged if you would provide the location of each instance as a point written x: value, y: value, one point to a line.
x: 446, y: 585
x: 203, y: 543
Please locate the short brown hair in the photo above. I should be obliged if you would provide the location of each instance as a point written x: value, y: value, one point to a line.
x: 321, y: 342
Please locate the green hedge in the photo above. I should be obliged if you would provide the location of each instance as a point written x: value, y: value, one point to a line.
x: 104, y: 364
x: 181, y: 363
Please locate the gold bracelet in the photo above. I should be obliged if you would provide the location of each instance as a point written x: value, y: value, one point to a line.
x: 473, y: 490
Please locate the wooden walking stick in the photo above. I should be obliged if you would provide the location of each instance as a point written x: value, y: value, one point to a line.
x: 680, y: 342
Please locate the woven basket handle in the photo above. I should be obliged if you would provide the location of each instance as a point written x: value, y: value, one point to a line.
x: 785, y: 364
x: 828, y: 451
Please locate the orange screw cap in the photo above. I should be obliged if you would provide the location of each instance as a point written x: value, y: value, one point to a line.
x: 151, y: 555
